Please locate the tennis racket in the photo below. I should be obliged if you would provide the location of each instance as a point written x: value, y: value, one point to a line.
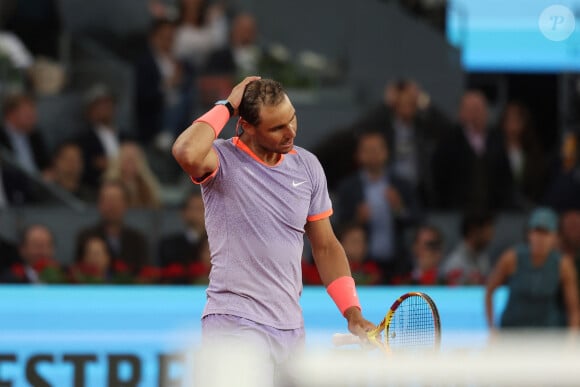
x: 412, y: 323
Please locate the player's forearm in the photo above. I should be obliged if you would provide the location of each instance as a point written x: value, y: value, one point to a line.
x: 332, y: 263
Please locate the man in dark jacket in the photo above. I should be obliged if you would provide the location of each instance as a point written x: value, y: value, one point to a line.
x: 382, y: 202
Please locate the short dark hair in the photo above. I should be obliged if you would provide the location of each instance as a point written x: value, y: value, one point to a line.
x: 159, y: 23
x: 474, y: 221
x: 63, y: 145
x: 12, y: 101
x: 81, y: 247
x: 262, y: 92
x: 428, y: 227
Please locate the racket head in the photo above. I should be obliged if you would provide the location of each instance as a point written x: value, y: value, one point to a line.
x: 413, y: 324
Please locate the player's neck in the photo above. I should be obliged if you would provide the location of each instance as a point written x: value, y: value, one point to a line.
x: 267, y: 157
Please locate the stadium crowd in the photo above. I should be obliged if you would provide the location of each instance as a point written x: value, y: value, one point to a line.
x: 387, y: 170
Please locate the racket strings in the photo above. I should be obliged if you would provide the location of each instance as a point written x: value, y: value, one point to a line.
x: 412, y: 326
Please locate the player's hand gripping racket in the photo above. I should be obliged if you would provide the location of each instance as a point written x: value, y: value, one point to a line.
x: 412, y: 323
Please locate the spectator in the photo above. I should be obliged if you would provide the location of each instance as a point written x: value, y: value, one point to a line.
x: 101, y: 140
x: 183, y: 248
x: 427, y: 252
x: 535, y: 272
x: 564, y: 189
x: 353, y: 239
x: 383, y: 203
x: 125, y: 244
x: 243, y: 55
x: 92, y: 261
x: 202, y: 29
x: 413, y: 127
x: 131, y: 169
x: 517, y: 160
x: 469, y: 262
x: 20, y: 136
x: 36, y: 261
x: 461, y: 161
x: 67, y: 171
x: 163, y: 102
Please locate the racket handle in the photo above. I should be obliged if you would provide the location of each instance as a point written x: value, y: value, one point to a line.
x: 340, y: 339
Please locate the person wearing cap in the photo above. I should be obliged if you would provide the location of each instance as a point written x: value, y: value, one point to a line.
x: 535, y: 271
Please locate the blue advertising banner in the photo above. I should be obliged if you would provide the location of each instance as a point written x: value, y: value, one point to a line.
x: 77, y: 336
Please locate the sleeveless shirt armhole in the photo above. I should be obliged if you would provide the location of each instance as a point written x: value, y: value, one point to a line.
x: 208, y: 176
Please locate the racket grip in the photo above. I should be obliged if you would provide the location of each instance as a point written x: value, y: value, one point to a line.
x: 340, y: 339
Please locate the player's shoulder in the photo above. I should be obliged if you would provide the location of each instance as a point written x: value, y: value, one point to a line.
x: 305, y: 155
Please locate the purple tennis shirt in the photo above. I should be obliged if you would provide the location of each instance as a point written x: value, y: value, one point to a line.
x: 255, y: 216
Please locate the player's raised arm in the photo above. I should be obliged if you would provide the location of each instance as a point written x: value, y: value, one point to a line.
x: 192, y: 149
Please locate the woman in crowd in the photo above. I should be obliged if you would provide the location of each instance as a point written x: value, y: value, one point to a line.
x: 132, y: 170
x: 518, y: 160
x: 535, y: 272
x: 202, y: 29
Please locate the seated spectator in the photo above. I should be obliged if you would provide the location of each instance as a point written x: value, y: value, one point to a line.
x: 353, y: 239
x: 36, y: 261
x: 427, y: 252
x: 413, y: 126
x: 92, y: 261
x: 518, y: 162
x: 384, y: 204
x: 242, y: 56
x: 126, y: 245
x: 179, y: 251
x: 101, y: 139
x: 461, y: 165
x: 469, y: 262
x: 163, y: 101
x: 202, y: 29
x: 534, y: 272
x: 183, y: 247
x: 20, y: 137
x: 66, y: 171
x: 564, y: 189
x: 131, y: 169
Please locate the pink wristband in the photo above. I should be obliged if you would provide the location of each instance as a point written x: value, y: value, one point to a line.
x: 343, y: 292
x: 217, y: 118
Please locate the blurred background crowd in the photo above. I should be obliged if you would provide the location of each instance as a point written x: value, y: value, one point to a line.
x: 434, y: 171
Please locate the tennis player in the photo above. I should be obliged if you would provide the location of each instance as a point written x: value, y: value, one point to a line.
x: 261, y: 194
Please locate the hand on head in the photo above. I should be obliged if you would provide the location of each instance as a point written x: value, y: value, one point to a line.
x: 237, y: 93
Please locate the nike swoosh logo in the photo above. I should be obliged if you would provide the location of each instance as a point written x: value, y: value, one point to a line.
x: 295, y: 184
